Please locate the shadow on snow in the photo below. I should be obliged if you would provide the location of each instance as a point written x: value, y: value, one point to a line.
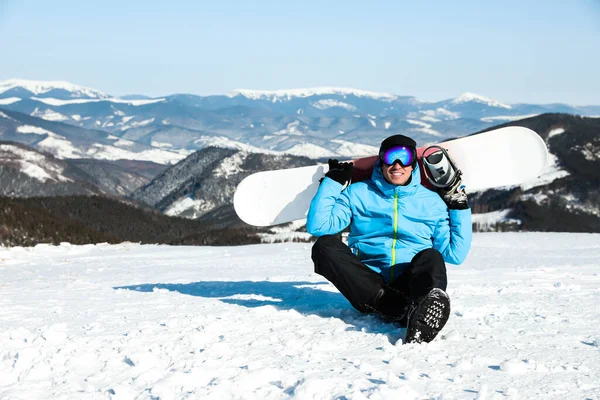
x: 300, y: 296
x: 303, y: 297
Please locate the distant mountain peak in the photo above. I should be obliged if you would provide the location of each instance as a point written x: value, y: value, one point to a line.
x: 473, y: 97
x: 287, y: 94
x: 41, y: 87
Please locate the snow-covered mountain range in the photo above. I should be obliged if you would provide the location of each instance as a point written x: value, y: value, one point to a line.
x: 71, y: 142
x: 26, y: 172
x: 313, y: 122
x: 109, y: 139
x: 564, y: 198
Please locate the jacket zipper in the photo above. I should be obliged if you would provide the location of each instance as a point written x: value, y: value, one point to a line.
x: 395, y: 237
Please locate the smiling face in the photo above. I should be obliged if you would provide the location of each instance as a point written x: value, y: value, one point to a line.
x: 396, y: 174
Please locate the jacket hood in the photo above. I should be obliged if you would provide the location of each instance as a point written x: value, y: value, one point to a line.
x: 388, y: 189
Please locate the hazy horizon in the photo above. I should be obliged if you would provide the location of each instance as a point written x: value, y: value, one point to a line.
x: 514, y: 52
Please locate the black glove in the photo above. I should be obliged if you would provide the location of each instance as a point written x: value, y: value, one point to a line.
x: 340, y: 172
x: 455, y: 196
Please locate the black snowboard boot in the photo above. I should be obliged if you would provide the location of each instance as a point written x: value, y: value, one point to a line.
x: 391, y: 304
x: 428, y: 317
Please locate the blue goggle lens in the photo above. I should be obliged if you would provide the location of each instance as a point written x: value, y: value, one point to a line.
x: 404, y: 155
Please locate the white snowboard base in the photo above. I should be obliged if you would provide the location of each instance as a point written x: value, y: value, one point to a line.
x: 501, y: 157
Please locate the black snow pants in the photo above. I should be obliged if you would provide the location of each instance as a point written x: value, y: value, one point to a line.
x: 366, y: 290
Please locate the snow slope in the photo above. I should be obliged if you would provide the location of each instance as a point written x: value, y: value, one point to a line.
x: 9, y: 100
x: 254, y: 322
x: 32, y: 163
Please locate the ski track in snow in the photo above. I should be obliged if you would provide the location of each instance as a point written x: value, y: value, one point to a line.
x: 130, y: 321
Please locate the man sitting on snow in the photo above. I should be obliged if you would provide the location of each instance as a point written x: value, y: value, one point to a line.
x: 401, y: 234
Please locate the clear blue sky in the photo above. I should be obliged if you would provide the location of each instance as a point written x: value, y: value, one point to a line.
x: 511, y: 50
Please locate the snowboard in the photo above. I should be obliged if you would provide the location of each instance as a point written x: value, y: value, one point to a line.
x: 501, y: 157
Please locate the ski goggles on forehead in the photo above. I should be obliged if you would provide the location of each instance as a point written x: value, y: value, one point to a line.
x: 405, y: 155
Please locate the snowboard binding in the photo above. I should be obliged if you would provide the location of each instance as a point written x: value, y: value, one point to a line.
x: 439, y: 168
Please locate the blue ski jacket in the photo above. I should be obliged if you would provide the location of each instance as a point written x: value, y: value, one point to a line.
x: 390, y: 224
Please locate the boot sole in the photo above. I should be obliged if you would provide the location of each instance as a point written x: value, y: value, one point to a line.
x: 428, y: 319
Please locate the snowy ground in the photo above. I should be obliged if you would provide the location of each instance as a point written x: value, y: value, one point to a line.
x: 254, y: 322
